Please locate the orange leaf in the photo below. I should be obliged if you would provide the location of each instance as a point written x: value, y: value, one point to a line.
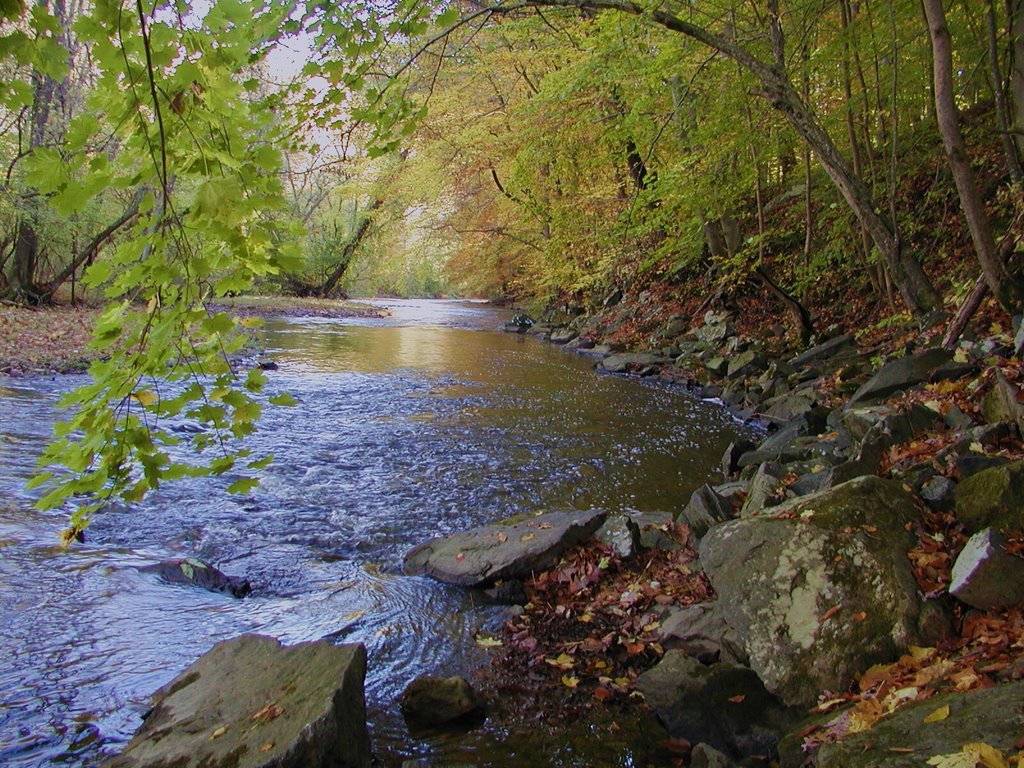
x: 737, y: 699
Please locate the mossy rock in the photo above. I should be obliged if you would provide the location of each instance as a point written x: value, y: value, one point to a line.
x: 819, y: 588
x: 994, y: 717
x: 993, y: 497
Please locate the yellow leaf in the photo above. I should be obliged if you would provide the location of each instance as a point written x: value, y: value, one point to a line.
x: 527, y: 536
x: 564, y: 661
x: 145, y: 396
x: 488, y: 642
x: 955, y: 760
x: 570, y: 681
x: 219, y: 732
x: 987, y: 755
x: 920, y: 654
x: 938, y: 715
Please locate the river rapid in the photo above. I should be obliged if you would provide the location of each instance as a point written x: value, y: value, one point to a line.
x: 423, y: 423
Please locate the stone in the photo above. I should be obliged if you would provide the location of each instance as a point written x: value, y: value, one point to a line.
x: 824, y: 350
x: 820, y: 587
x: 970, y: 464
x: 723, y: 705
x: 1002, y: 404
x: 252, y: 703
x: 613, y: 298
x: 563, y: 335
x: 717, y: 365
x: 506, y: 550
x: 745, y: 364
x: 788, y: 406
x: 956, y: 419
x: 938, y: 493
x: 994, y: 497
x: 624, y: 362
x: 731, y: 457
x: 706, y: 756
x: 200, y: 574
x: 702, y: 632
x: 766, y: 489
x: 713, y: 334
x: 653, y: 530
x: 617, y: 534
x: 519, y: 324
x: 985, y: 575
x: 431, y: 700
x: 905, y: 740
x: 705, y: 510
x: 900, y: 375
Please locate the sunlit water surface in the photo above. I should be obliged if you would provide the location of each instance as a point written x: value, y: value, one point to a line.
x: 419, y: 424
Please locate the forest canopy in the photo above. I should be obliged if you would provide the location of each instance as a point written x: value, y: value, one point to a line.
x: 163, y: 156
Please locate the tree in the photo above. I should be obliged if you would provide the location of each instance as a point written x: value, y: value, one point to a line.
x: 1004, y: 286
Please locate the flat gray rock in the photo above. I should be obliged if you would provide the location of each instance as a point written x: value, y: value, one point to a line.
x: 901, y: 374
x: 252, y: 703
x: 510, y: 549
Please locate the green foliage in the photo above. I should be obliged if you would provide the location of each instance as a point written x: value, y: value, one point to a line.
x: 203, y: 150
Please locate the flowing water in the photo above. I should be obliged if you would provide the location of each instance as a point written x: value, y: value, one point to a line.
x: 423, y: 423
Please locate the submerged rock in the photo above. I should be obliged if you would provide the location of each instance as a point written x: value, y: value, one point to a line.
x: 818, y: 588
x: 201, y: 574
x: 506, y: 550
x: 431, y: 700
x: 252, y: 703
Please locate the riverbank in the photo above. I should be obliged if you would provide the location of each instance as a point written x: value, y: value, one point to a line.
x: 55, y: 339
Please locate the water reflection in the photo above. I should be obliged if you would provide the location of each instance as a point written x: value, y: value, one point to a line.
x: 406, y: 428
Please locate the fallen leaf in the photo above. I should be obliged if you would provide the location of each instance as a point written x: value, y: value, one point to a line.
x: 501, y: 537
x: 219, y: 732
x: 602, y: 694
x: 528, y: 537
x: 270, y: 712
x: 570, y: 681
x: 829, y: 613
x: 677, y: 746
x: 902, y: 750
x: 354, y: 615
x: 739, y: 699
x: 859, y: 616
x: 488, y: 642
x: 267, y: 747
x: 563, y: 661
x: 938, y: 715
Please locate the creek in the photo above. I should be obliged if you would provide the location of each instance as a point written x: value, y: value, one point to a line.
x: 423, y: 423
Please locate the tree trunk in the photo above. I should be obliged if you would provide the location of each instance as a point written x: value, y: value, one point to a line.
x: 797, y: 312
x: 347, y: 252
x: 1007, y: 290
x: 88, y: 253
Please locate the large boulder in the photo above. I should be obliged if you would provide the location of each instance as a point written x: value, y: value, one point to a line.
x: 900, y: 375
x: 252, y: 703
x: 824, y: 350
x: 819, y: 588
x: 195, y: 572
x: 907, y: 740
x: 1002, y: 404
x: 723, y: 705
x: 705, y: 510
x: 701, y: 631
x: 510, y: 549
x: 992, y: 497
